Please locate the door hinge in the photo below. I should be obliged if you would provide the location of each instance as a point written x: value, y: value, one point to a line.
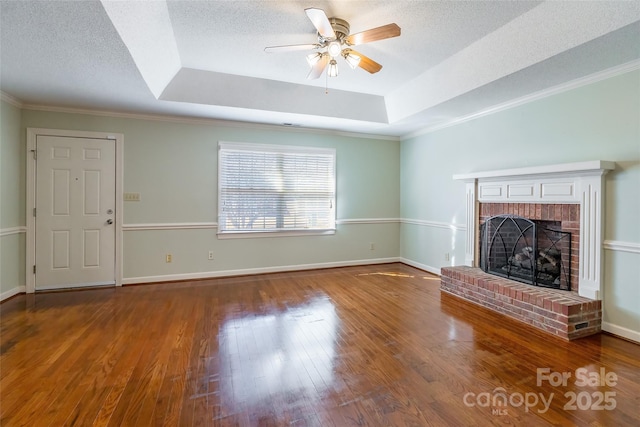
x: 35, y: 154
x: 34, y: 269
x: 34, y: 212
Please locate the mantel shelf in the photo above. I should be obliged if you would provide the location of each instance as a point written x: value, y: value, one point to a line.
x: 580, y: 168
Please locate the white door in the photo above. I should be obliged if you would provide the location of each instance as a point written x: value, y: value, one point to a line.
x: 75, y: 212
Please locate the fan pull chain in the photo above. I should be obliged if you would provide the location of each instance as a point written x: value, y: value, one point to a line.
x: 326, y: 83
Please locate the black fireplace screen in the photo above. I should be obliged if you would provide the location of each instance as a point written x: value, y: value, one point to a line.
x: 527, y: 251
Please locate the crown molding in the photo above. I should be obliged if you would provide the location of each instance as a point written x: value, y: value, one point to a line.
x: 554, y: 90
x: 5, y: 97
x: 203, y: 121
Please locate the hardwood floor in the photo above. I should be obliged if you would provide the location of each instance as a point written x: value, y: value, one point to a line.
x: 375, y: 345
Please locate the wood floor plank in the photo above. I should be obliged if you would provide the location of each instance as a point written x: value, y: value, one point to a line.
x: 374, y: 345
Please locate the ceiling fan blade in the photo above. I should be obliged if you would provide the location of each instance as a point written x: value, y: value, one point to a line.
x: 318, y: 68
x: 367, y: 63
x: 321, y: 22
x: 374, y: 34
x: 290, y: 48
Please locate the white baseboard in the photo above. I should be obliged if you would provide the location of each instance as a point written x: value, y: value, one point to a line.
x: 621, y: 331
x: 11, y: 292
x: 428, y: 268
x: 249, y: 271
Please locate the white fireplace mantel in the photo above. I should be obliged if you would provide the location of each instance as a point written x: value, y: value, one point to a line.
x: 578, y: 183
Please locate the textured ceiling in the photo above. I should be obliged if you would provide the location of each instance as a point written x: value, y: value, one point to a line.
x: 206, y: 59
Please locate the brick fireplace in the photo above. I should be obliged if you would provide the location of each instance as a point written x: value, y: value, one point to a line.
x: 570, y: 195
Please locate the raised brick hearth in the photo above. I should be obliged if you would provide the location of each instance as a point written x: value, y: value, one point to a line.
x: 561, y: 313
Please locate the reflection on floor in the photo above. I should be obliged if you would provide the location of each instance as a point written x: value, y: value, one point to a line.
x: 264, y: 354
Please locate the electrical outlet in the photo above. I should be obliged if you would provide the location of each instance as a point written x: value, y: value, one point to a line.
x: 210, y: 255
x: 168, y: 258
x: 446, y: 256
x: 372, y: 246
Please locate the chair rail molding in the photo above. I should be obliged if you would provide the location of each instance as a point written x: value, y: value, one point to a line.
x: 9, y: 231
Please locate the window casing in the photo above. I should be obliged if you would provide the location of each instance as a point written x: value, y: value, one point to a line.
x: 267, y: 189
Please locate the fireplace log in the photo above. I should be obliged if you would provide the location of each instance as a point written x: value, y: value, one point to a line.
x: 523, y: 262
x: 549, y: 258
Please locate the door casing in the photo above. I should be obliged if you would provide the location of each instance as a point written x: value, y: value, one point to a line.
x: 32, y: 134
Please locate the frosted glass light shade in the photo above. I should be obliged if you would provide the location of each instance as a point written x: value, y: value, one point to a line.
x: 333, y: 68
x: 352, y: 60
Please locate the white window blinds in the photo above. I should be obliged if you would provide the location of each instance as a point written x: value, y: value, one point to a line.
x: 273, y: 188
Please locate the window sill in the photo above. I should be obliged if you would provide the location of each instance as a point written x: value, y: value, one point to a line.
x: 278, y: 233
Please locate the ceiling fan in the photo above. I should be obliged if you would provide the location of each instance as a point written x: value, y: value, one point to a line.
x: 334, y: 41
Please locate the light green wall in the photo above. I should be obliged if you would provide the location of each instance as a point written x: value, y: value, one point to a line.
x: 173, y: 165
x: 600, y: 121
x: 12, y: 168
x: 12, y: 264
x: 12, y: 198
x: 189, y: 249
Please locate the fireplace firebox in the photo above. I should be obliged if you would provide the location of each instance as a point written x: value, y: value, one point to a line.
x: 533, y: 252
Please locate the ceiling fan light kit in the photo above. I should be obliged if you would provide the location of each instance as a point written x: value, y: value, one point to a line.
x: 333, y: 68
x: 334, y: 41
x: 352, y: 59
x: 313, y: 58
x: 334, y: 48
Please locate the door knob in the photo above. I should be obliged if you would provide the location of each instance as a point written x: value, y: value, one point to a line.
x: 109, y: 221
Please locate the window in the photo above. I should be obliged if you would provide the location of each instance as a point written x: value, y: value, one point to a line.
x: 275, y: 189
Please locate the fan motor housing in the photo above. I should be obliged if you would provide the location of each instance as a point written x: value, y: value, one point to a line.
x: 340, y: 27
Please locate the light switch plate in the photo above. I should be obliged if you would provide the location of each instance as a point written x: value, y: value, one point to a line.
x: 131, y: 197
